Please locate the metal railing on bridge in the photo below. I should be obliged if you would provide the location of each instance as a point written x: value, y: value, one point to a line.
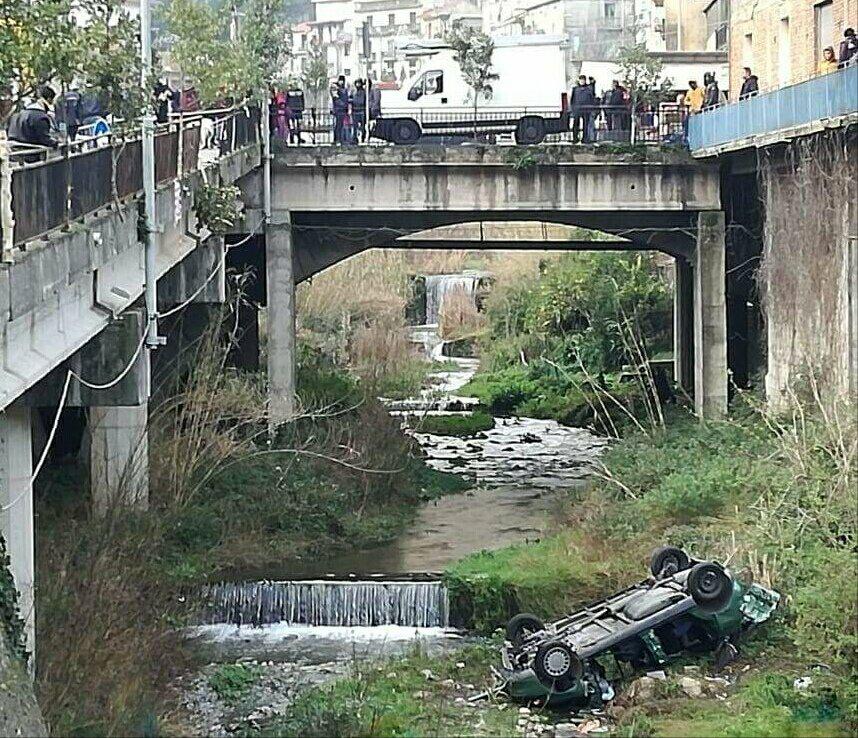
x: 495, y: 125
x: 827, y: 96
x: 51, y: 188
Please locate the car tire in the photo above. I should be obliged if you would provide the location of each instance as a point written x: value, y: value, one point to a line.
x: 667, y: 561
x: 522, y: 625
x: 405, y: 131
x: 710, y: 586
x: 530, y: 130
x: 557, y: 666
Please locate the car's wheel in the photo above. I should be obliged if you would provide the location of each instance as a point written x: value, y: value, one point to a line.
x: 530, y: 130
x: 405, y: 131
x: 557, y: 666
x: 522, y: 625
x: 667, y: 561
x: 710, y: 586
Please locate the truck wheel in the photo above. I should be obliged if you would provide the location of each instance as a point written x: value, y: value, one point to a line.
x: 666, y: 561
x: 405, y: 131
x: 710, y: 587
x: 530, y: 130
x: 522, y: 625
x: 557, y: 666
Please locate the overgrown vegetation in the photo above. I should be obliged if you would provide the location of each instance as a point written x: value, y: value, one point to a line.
x: 775, y: 495
x: 411, y: 696
x: 341, y: 475
x: 11, y: 624
x: 233, y: 682
x: 556, y: 343
x: 457, y: 424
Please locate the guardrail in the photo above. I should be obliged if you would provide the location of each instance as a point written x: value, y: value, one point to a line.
x: 827, y: 96
x: 50, y: 188
x: 664, y: 125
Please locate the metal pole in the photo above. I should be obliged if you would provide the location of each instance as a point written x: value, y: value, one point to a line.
x: 266, y: 161
x: 148, y: 149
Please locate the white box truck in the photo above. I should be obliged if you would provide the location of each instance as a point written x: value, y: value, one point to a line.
x: 525, y: 100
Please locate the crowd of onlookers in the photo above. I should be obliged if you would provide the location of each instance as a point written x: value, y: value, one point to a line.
x: 351, y: 106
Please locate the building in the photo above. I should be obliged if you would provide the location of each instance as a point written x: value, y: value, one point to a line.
x: 672, y: 25
x: 782, y: 40
x: 438, y: 18
x: 392, y: 24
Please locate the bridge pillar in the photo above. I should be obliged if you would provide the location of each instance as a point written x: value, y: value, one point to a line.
x: 16, y: 503
x: 683, y: 324
x: 710, y: 317
x: 119, y: 457
x: 280, y: 289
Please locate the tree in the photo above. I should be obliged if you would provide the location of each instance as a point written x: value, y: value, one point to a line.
x: 316, y: 74
x: 221, y: 63
x: 641, y: 74
x: 473, y: 52
x: 58, y: 41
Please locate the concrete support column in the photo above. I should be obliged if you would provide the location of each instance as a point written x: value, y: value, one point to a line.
x: 710, y: 317
x: 16, y: 501
x: 683, y: 324
x: 280, y: 288
x: 119, y: 457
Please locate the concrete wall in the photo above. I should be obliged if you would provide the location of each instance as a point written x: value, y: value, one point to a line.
x: 810, y: 267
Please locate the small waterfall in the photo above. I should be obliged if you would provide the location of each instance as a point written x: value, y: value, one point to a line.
x: 438, y: 286
x: 416, y: 604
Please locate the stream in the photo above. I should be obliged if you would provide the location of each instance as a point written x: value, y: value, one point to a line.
x: 308, y: 625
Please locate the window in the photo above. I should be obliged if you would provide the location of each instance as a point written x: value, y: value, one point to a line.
x: 412, y: 19
x: 412, y: 64
x: 430, y: 83
x: 347, y: 50
x: 823, y: 18
x: 303, y: 40
x: 391, y: 19
x: 784, y: 76
x: 347, y: 72
x: 610, y: 8
x: 369, y: 21
x: 748, y: 50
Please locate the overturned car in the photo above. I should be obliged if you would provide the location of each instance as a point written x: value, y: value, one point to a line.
x: 687, y: 605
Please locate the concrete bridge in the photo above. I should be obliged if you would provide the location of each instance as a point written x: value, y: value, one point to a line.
x: 70, y: 295
x: 330, y: 203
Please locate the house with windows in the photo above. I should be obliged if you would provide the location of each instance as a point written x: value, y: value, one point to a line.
x: 782, y: 40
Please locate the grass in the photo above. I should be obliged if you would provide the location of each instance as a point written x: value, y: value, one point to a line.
x: 458, y: 424
x: 233, y: 682
x: 411, y: 696
x: 342, y: 476
x: 775, y: 495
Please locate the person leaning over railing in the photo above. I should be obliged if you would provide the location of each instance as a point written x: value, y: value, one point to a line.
x: 34, y: 124
x: 848, y: 47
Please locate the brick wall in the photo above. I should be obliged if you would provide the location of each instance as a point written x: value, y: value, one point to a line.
x: 764, y: 20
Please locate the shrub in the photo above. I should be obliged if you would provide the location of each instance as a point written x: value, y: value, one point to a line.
x: 233, y: 682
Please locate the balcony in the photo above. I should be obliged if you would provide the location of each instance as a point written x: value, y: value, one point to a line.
x: 795, y: 110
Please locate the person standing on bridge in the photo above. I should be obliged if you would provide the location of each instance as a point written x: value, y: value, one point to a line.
x: 848, y: 46
x: 359, y: 111
x: 750, y: 84
x: 581, y: 105
x: 34, y: 124
x: 339, y: 108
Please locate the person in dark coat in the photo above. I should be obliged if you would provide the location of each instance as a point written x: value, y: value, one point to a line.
x: 339, y: 108
x: 848, y: 46
x: 615, y: 103
x: 359, y: 111
x: 68, y: 112
x: 33, y: 124
x: 750, y: 84
x: 712, y: 95
x: 581, y: 105
x: 374, y: 100
x: 162, y: 96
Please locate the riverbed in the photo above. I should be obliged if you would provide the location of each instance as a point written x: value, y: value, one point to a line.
x: 382, y: 602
